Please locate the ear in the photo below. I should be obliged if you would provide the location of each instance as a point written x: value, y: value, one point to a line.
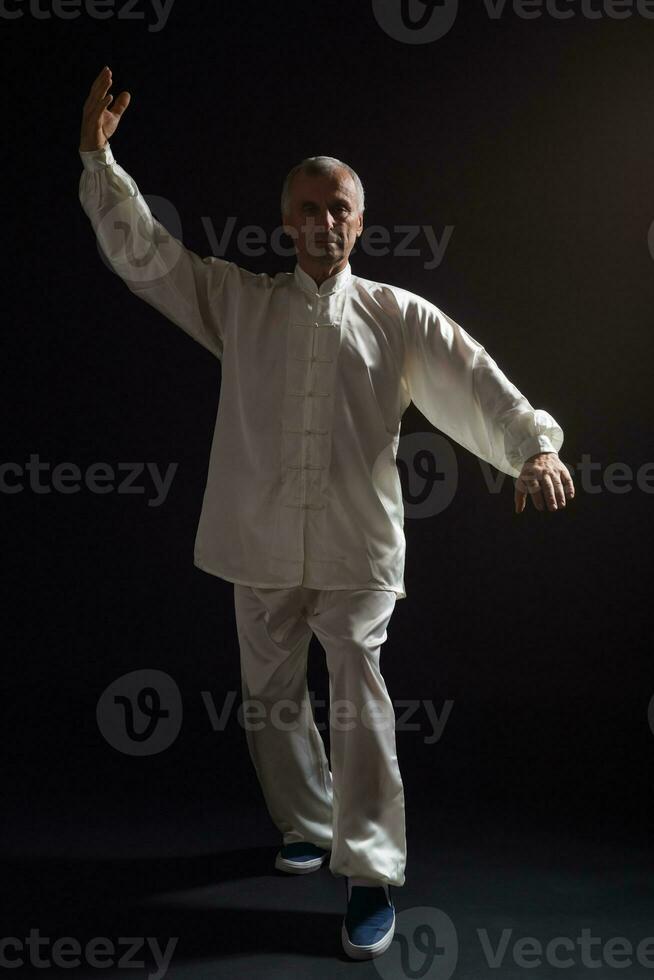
x: 360, y: 227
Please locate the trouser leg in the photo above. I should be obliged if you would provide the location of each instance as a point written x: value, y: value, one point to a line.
x: 286, y: 748
x: 369, y: 837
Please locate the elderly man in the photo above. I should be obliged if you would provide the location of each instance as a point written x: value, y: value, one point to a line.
x: 303, y: 508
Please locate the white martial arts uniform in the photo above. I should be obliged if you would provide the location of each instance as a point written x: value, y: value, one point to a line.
x: 357, y: 807
x: 303, y: 496
x: 302, y: 486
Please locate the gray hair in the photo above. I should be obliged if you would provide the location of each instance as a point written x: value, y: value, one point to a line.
x: 320, y: 167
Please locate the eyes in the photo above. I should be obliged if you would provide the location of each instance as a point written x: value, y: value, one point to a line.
x: 342, y: 209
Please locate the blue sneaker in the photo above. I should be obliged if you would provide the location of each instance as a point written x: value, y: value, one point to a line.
x: 369, y: 923
x: 300, y: 857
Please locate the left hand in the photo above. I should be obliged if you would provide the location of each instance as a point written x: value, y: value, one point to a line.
x: 543, y: 476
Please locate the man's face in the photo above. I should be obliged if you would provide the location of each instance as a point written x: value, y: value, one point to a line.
x: 322, y: 218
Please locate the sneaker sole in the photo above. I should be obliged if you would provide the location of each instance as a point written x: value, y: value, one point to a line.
x: 299, y: 867
x: 367, y: 952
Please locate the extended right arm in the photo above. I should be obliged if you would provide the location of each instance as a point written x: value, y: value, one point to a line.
x: 190, y: 291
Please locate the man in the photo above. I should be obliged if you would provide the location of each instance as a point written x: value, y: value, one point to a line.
x: 303, y: 509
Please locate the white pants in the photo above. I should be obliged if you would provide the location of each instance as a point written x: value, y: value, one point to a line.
x: 357, y: 808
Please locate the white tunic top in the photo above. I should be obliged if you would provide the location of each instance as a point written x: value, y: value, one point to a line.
x: 302, y: 486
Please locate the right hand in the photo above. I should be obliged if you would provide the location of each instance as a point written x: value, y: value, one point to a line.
x: 99, y: 123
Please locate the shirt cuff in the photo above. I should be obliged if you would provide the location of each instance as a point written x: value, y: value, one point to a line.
x: 536, y: 444
x: 97, y: 159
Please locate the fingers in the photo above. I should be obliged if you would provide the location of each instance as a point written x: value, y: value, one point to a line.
x: 98, y: 100
x: 100, y: 86
x: 532, y: 487
x: 121, y: 103
x: 105, y: 85
x: 93, y: 133
x: 558, y: 486
x: 537, y: 498
x: 547, y: 492
x: 550, y: 493
x: 99, y: 97
x: 568, y: 485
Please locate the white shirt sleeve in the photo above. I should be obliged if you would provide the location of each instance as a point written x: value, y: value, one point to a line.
x: 192, y: 292
x: 461, y: 390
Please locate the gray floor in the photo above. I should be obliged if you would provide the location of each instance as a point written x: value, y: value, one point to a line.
x: 478, y: 902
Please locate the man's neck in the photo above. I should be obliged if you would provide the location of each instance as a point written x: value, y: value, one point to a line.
x: 320, y: 273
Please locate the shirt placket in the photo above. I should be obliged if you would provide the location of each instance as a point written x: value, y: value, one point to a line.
x: 313, y: 339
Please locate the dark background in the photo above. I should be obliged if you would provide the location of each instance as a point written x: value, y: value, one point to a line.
x: 534, y: 139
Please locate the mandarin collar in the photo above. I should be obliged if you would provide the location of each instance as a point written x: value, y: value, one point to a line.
x: 331, y: 285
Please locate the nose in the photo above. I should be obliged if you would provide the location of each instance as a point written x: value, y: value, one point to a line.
x: 323, y: 226
x: 325, y: 220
